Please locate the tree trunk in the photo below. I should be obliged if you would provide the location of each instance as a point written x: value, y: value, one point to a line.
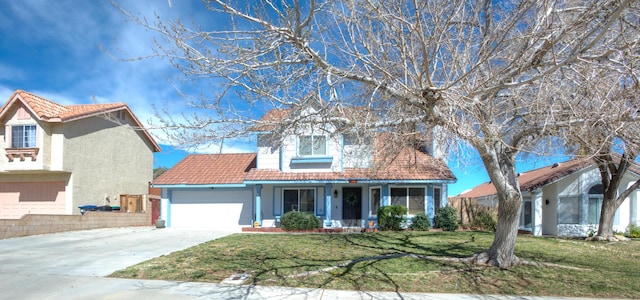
x: 605, y: 228
x: 502, y: 171
x: 501, y: 252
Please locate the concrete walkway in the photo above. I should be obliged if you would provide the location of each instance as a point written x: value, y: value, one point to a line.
x: 72, y: 265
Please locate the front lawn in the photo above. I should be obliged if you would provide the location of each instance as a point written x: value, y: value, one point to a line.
x: 584, y: 269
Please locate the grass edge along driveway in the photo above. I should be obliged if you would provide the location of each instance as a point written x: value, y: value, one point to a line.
x: 394, y: 261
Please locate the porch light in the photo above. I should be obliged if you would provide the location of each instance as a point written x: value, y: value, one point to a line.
x: 335, y: 193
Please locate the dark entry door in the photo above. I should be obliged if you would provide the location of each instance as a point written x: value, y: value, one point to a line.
x: 351, y: 203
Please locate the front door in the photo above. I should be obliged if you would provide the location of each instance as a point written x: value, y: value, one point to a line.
x: 351, y: 205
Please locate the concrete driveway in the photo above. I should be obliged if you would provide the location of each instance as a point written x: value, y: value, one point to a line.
x: 44, y: 266
x: 97, y: 252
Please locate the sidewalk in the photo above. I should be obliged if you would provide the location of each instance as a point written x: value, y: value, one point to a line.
x: 86, y: 287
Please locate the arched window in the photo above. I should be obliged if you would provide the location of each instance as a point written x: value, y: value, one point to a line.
x: 595, y: 203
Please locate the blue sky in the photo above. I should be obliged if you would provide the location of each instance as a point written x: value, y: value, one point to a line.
x: 63, y: 51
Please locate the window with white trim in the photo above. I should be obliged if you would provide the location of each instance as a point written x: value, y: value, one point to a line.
x: 437, y: 197
x: 375, y: 197
x: 526, y: 213
x: 23, y: 136
x: 569, y: 210
x: 411, y: 198
x: 302, y: 200
x: 312, y: 145
x: 595, y: 203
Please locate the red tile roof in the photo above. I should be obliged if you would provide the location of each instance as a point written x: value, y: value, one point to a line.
x: 209, y: 169
x: 49, y: 111
x: 433, y: 173
x: 236, y: 168
x: 534, y: 179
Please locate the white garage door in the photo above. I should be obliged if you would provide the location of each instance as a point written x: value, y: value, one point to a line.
x: 218, y: 209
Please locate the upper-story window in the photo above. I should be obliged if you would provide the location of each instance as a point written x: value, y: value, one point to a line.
x: 23, y: 136
x: 312, y: 145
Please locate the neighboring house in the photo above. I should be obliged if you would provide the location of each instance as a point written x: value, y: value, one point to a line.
x: 564, y: 199
x: 55, y: 158
x: 341, y: 181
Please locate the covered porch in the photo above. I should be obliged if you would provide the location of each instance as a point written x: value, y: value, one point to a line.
x: 344, y: 204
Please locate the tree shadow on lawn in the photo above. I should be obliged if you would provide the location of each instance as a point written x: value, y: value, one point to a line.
x: 381, y: 261
x: 447, y: 256
x: 385, y: 269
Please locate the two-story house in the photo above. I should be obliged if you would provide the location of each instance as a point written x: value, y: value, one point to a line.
x: 338, y: 178
x: 55, y: 158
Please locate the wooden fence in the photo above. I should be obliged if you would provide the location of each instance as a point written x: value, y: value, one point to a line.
x: 468, y: 209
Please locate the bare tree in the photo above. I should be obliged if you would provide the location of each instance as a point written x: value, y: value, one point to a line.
x: 606, y: 96
x: 479, y: 69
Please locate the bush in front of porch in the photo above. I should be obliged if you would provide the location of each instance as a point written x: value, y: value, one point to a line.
x: 392, y: 217
x: 295, y: 220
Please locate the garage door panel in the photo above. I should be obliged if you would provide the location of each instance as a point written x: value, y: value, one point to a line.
x: 211, y: 209
x: 20, y: 198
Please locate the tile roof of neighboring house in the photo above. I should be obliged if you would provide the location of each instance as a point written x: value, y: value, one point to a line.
x: 534, y: 179
x: 206, y: 169
x: 49, y: 111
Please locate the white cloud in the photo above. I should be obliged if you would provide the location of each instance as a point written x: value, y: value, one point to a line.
x: 9, y: 72
x: 77, y: 71
x: 5, y: 93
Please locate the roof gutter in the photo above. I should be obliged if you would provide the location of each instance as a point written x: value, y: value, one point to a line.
x: 191, y: 186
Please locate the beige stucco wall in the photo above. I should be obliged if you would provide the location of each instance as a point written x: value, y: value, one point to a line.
x: 107, y: 159
x: 98, y: 158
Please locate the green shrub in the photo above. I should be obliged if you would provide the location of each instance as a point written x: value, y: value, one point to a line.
x: 295, y: 220
x: 420, y: 222
x: 485, y: 220
x: 391, y: 217
x: 633, y: 231
x: 447, y: 218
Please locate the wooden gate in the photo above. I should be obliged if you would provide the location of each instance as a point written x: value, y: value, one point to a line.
x: 131, y: 203
x: 155, y: 210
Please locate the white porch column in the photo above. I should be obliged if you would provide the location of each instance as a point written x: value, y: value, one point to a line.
x: 634, y: 207
x: 536, y: 210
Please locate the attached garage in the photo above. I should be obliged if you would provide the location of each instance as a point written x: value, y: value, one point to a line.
x: 228, y: 209
x: 20, y: 198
